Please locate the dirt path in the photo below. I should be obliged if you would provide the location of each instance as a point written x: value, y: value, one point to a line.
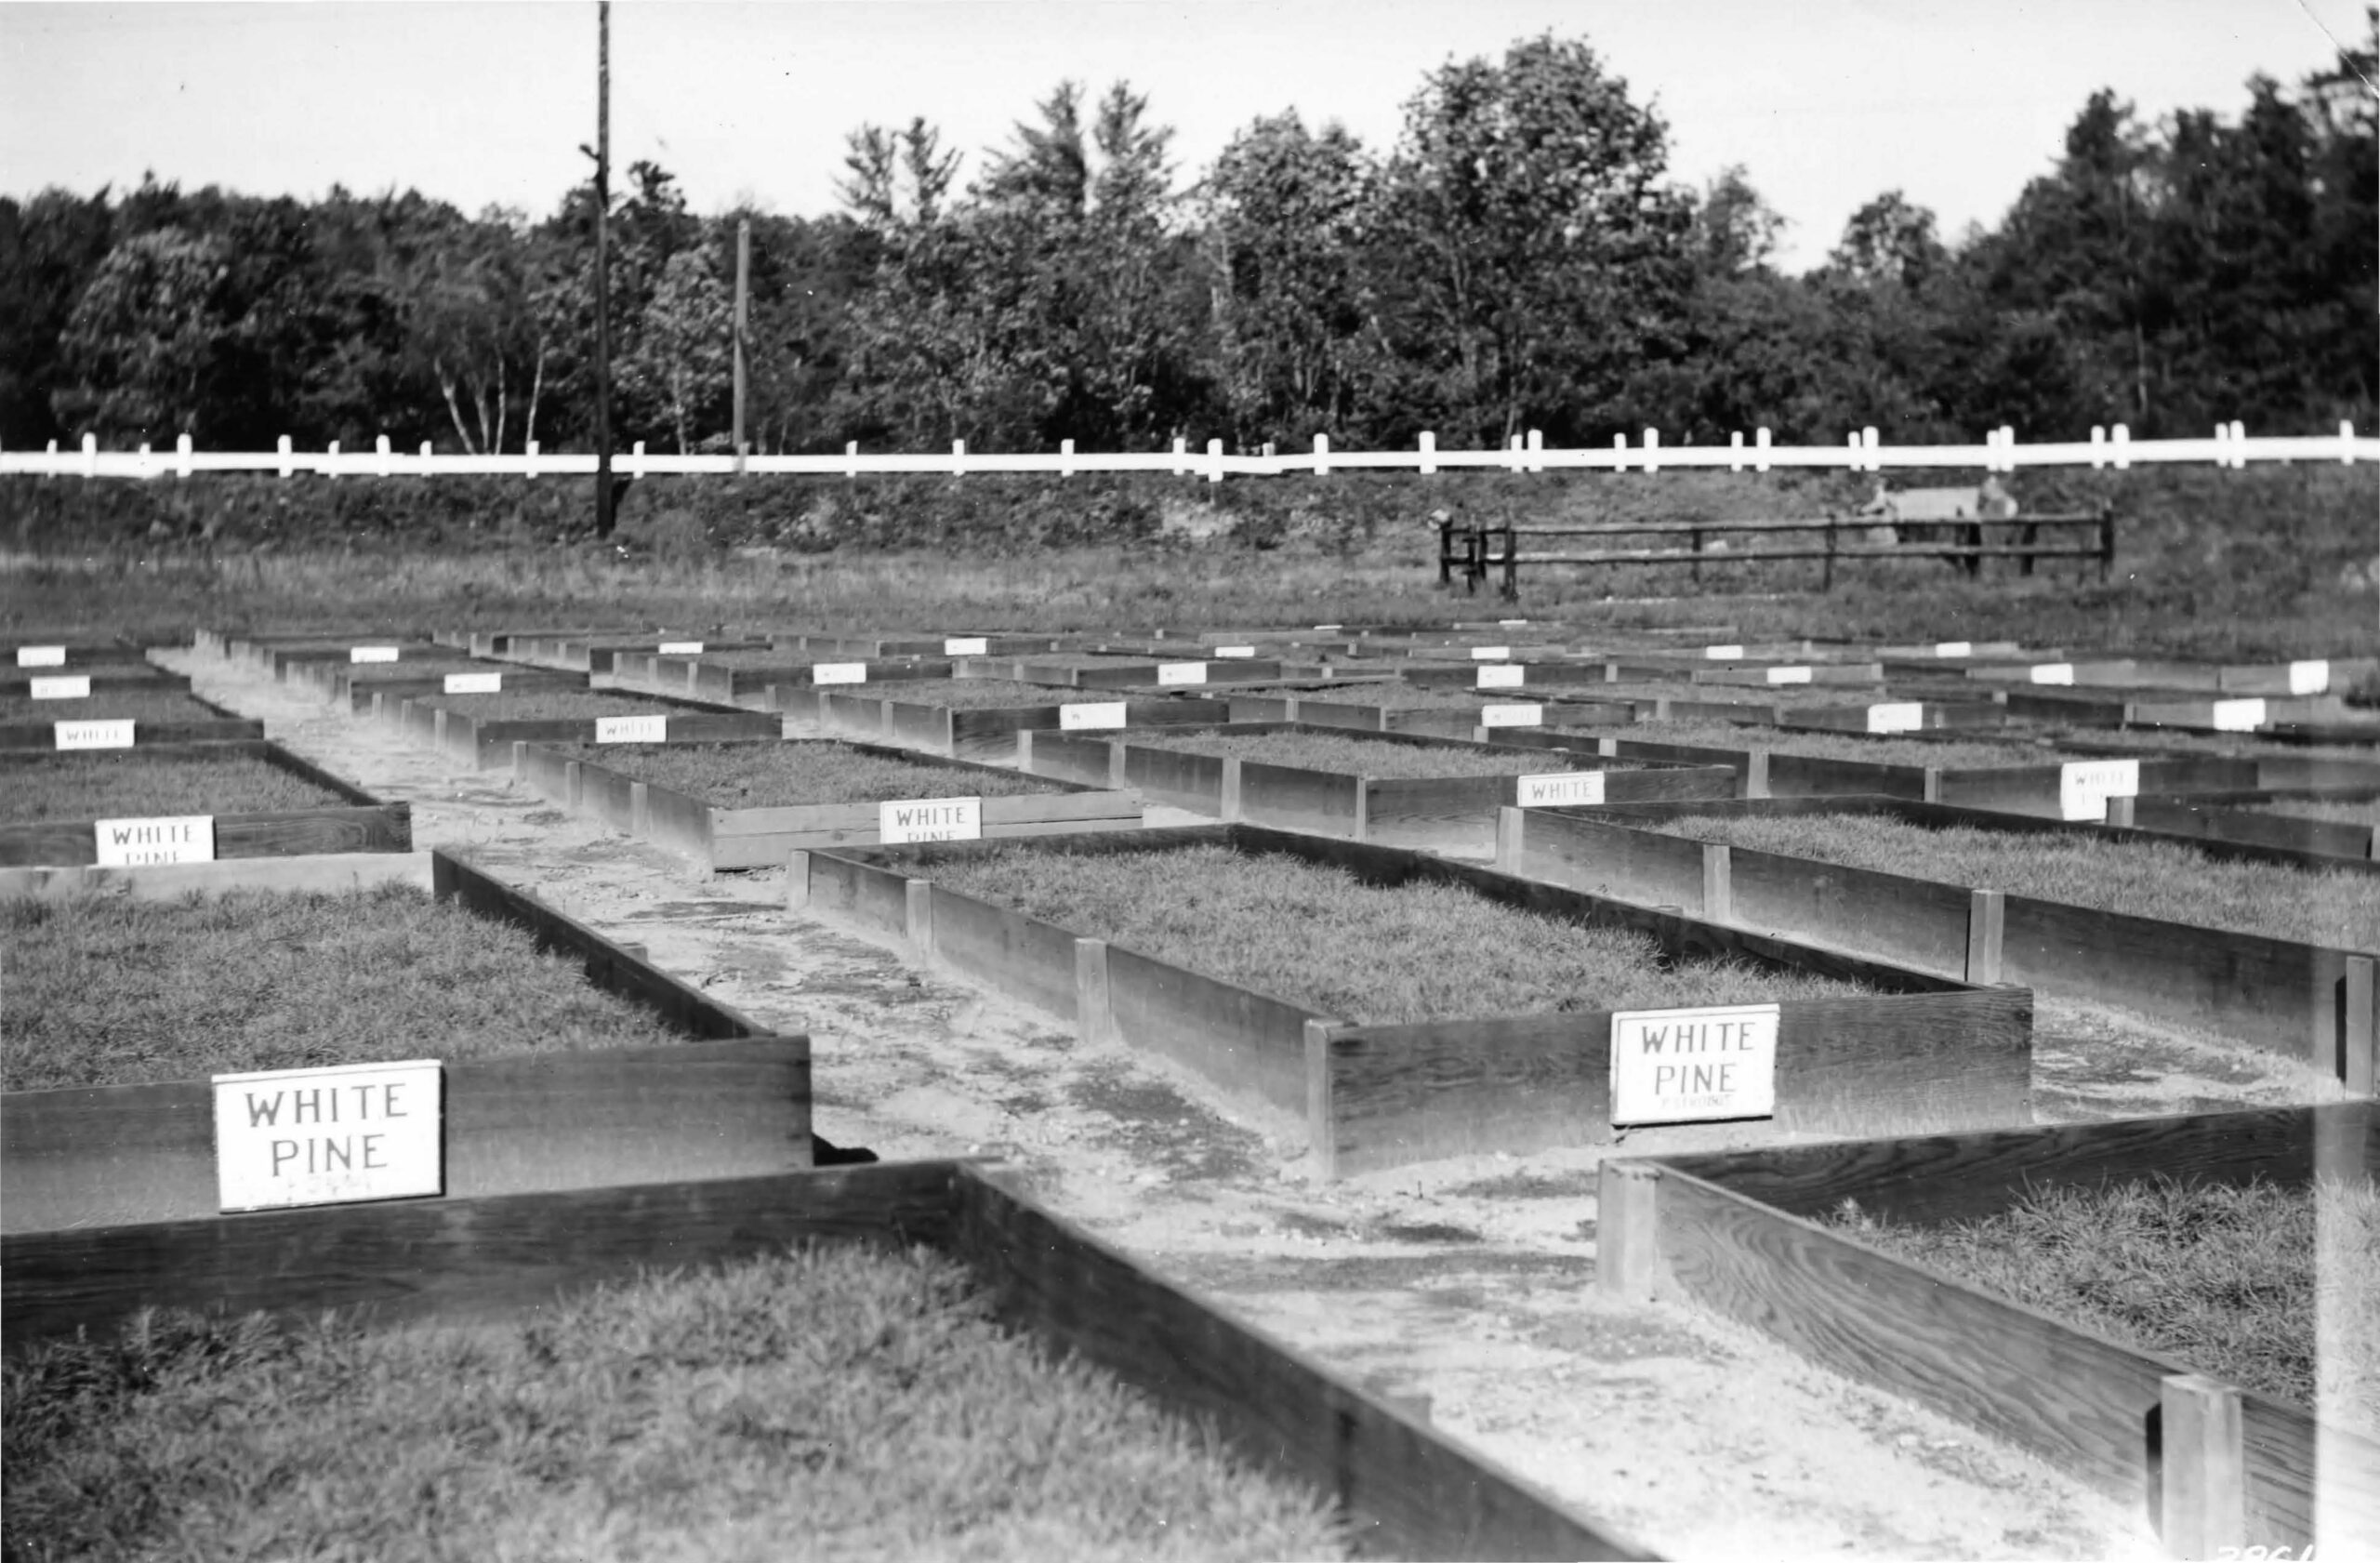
x: 1464, y: 1286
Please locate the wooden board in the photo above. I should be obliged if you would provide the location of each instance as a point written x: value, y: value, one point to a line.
x: 332, y: 873
x: 228, y: 729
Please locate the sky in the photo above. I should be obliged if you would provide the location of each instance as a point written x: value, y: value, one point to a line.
x: 1826, y: 103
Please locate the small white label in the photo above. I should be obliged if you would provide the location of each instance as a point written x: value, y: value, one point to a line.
x: 1509, y: 623
x: 967, y: 645
x: 1329, y: 627
x: 1560, y: 788
x: 67, y: 686
x: 328, y: 1136
x: 474, y: 683
x: 1724, y: 653
x: 1235, y: 651
x: 1090, y: 713
x: 116, y: 734
x: 930, y: 820
x: 679, y: 648
x: 2084, y: 786
x: 2239, y: 716
x: 41, y: 656
x: 1900, y: 716
x: 1954, y: 648
x: 1789, y: 675
x: 631, y: 729
x: 838, y: 672
x: 1512, y: 716
x: 371, y: 654
x: 1693, y: 1066
x: 2052, y: 672
x: 1181, y: 673
x: 2309, y: 678
x: 1511, y: 676
x: 1491, y: 654
x: 136, y: 844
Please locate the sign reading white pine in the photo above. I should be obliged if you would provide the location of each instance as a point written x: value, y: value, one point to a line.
x: 41, y: 656
x: 1693, y: 1066
x: 631, y: 729
x: 838, y: 672
x: 1554, y: 789
x: 930, y: 820
x: 1954, y: 648
x: 65, y: 686
x: 339, y: 1136
x: 679, y: 648
x: 1899, y: 716
x: 2052, y: 672
x: 114, y: 733
x: 2084, y: 786
x: 1789, y: 675
x: 1724, y: 653
x: 138, y: 843
x: 1509, y: 676
x: 966, y: 645
x: 1087, y: 714
x: 474, y: 683
x: 2239, y: 716
x: 1490, y: 654
x: 1512, y: 716
x: 2309, y: 677
x: 1181, y: 673
x: 372, y: 653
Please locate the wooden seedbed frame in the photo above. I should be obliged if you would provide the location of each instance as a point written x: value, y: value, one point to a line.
x: 282, y: 660
x: 1450, y: 723
x: 601, y: 654
x: 227, y: 727
x: 487, y: 742
x: 1434, y: 814
x: 2274, y: 678
x: 361, y: 824
x: 2220, y: 1468
x: 2210, y: 824
x: 964, y: 733
x: 699, y: 679
x: 723, y: 839
x: 839, y: 647
x: 355, y: 688
x: 1403, y: 1489
x: 732, y: 1101
x: 1927, y: 1049
x: 72, y: 654
x: 110, y: 676
x: 1151, y: 676
x: 2301, y: 1001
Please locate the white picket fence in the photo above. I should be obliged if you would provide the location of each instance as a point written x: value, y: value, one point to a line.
x: 2229, y: 447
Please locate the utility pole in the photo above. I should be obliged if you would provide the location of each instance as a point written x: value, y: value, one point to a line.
x: 603, y: 518
x: 742, y: 305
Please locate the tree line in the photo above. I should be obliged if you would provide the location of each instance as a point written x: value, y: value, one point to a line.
x: 1520, y: 259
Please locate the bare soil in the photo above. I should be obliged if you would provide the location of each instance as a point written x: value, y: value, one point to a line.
x: 1465, y: 1288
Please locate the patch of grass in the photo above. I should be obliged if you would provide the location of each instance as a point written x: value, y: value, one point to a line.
x: 108, y: 703
x: 551, y: 705
x: 832, y: 1402
x: 1950, y: 753
x: 2273, y: 1289
x: 122, y: 785
x: 977, y: 695
x: 764, y: 776
x: 2161, y: 880
x: 1358, y: 757
x: 2344, y: 812
x: 1407, y: 698
x: 104, y: 990
x: 1319, y: 937
x: 2184, y: 742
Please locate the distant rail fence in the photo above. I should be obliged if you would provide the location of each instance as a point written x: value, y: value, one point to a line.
x: 1478, y: 551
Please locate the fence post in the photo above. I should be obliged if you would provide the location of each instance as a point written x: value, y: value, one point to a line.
x: 636, y: 462
x: 1181, y: 455
x: 381, y: 449
x: 2239, y: 446
x: 851, y: 459
x: 1429, y: 453
x: 1215, y: 461
x: 958, y: 458
x: 426, y: 454
x: 90, y: 455
x: 1735, y: 451
x: 1536, y: 450
x: 329, y: 467
x: 1761, y: 464
x: 2202, y: 1498
x: 1652, y: 462
x: 1322, y: 456
x: 2099, y: 447
x: 2346, y: 443
x: 2121, y: 438
x: 1513, y: 462
x: 529, y: 449
x: 1868, y: 439
x: 1065, y: 459
x: 1620, y: 444
x: 285, y: 456
x: 182, y: 455
x: 1858, y: 460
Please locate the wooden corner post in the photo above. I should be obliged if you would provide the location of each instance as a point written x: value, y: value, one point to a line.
x: 2202, y: 1489
x: 2359, y: 1037
x: 1987, y: 925
x: 1628, y: 1259
x: 1094, y: 1012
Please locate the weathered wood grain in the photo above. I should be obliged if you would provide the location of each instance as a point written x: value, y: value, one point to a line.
x: 1020, y: 956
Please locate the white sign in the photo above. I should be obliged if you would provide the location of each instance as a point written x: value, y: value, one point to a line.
x: 1900, y: 716
x: 2305, y: 678
x: 631, y: 729
x: 328, y: 1136
x: 838, y: 672
x: 1789, y: 675
x: 1507, y: 677
x: 1954, y: 648
x: 679, y: 648
x: 1509, y: 623
x: 1235, y: 651
x: 930, y: 820
x: 1090, y: 713
x: 2084, y: 786
x: 2052, y: 672
x: 967, y: 645
x: 2239, y: 716
x: 136, y: 844
x: 474, y: 683
x: 372, y: 653
x: 1555, y: 789
x: 41, y: 656
x: 1512, y: 716
x: 68, y: 686
x: 1724, y: 653
x: 1491, y: 654
x: 1693, y: 1066
x: 116, y: 734
x: 1181, y: 673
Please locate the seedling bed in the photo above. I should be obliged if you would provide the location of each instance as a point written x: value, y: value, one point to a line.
x: 1398, y: 1487
x: 482, y: 729
x: 2316, y: 677
x: 354, y: 685
x: 1399, y: 789
x: 1090, y: 671
x: 281, y: 660
x: 71, y: 656
x: 2301, y: 1000
x: 740, y: 676
x: 1401, y: 707
x: 747, y: 805
x: 2216, y: 1466
x: 978, y: 718
x: 956, y: 643
x: 573, y: 1067
x: 1915, y: 1047
x: 118, y: 716
x: 257, y: 799
x: 600, y: 653
x: 2310, y: 828
x: 1824, y: 707
x: 95, y: 676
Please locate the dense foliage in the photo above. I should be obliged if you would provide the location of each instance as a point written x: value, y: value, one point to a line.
x: 1520, y: 259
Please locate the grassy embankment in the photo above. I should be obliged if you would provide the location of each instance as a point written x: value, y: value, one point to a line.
x: 2258, y: 564
x: 117, y: 785
x: 1320, y: 938
x: 107, y: 991
x: 2272, y: 1289
x: 2157, y: 879
x: 765, y: 775
x: 833, y: 1402
x: 1357, y: 757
